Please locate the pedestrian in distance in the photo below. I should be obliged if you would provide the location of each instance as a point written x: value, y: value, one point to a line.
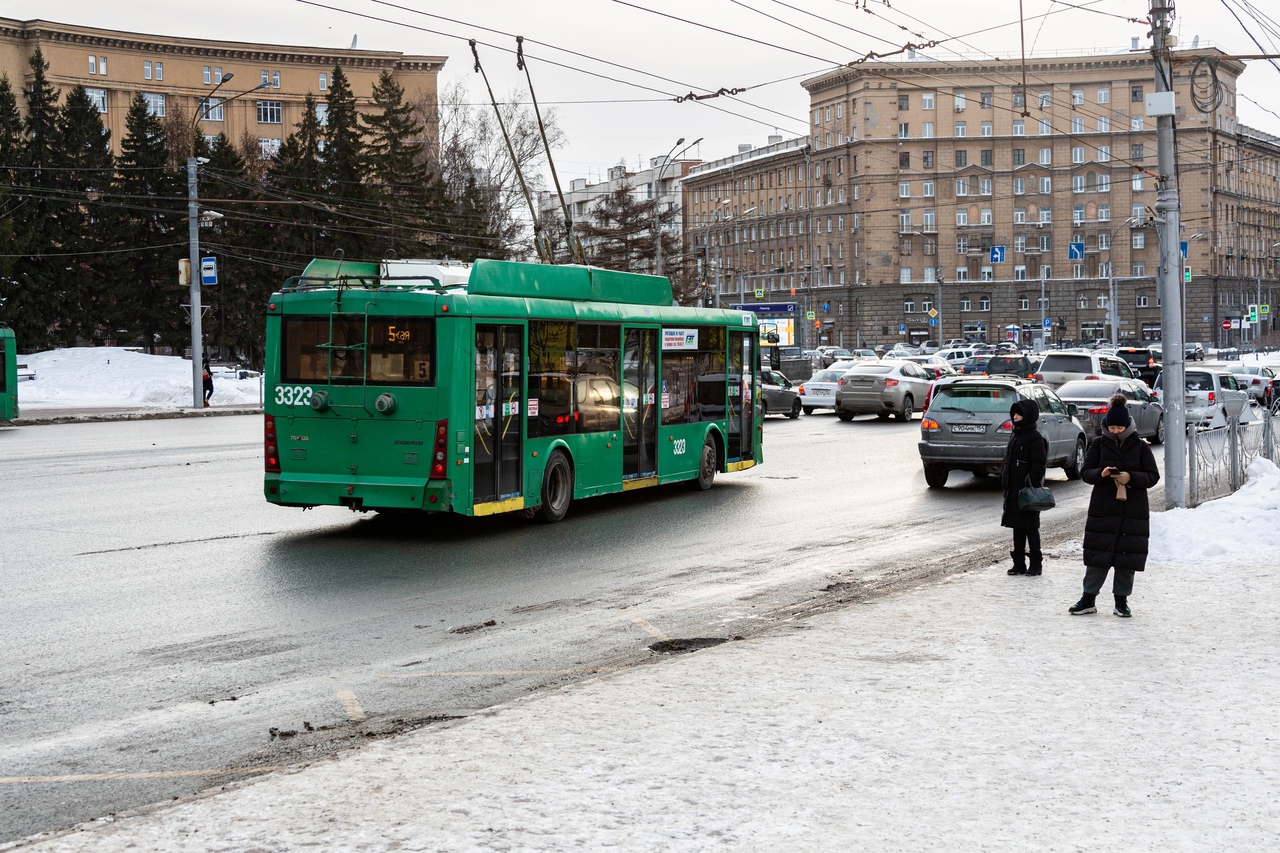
x: 1121, y: 468
x: 1024, y: 462
x: 208, y: 383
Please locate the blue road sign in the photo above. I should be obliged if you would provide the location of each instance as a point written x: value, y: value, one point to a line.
x: 997, y: 254
x: 209, y: 271
x: 1075, y: 251
x: 767, y: 308
x: 902, y: 327
x: 933, y: 321
x: 1048, y: 324
x: 1183, y: 244
x: 826, y: 306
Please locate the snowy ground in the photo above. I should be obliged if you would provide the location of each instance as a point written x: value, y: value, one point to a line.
x: 972, y: 714
x: 102, y: 377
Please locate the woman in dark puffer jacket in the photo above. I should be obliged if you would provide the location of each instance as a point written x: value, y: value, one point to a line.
x: 1024, y: 461
x: 1121, y: 468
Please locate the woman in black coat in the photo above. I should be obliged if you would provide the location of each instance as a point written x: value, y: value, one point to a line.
x: 1121, y: 468
x: 1024, y: 461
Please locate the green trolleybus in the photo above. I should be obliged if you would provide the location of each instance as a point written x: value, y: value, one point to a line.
x: 498, y: 387
x: 8, y: 374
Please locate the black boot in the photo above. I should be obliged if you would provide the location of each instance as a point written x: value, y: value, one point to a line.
x: 1019, y: 563
x: 1122, y: 606
x: 1084, y: 605
x: 1037, y: 563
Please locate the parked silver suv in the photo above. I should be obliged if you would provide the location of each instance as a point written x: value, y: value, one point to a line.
x: 1061, y: 367
x: 967, y: 427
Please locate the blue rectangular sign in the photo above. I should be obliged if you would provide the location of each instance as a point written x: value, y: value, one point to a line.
x: 1075, y: 251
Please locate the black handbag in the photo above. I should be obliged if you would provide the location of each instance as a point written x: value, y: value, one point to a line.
x: 1035, y: 498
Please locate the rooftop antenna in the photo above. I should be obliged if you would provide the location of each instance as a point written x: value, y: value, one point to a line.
x: 576, y: 255
x: 353, y: 41
x: 540, y: 243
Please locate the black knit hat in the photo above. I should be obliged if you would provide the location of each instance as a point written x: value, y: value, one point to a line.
x: 1118, y: 414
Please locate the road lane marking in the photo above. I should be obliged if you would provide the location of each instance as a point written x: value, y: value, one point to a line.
x: 349, y: 701
x: 150, y: 774
x: 476, y: 673
x: 650, y: 630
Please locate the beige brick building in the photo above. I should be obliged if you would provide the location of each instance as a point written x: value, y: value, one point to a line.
x: 175, y: 74
x: 915, y: 171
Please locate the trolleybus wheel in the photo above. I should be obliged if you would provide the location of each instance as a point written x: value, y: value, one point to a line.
x: 706, y: 466
x: 557, y: 489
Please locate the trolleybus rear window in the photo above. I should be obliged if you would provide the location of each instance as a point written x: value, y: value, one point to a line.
x: 351, y: 349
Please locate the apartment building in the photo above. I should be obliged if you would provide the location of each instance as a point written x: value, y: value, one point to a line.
x: 179, y: 76
x: 964, y: 202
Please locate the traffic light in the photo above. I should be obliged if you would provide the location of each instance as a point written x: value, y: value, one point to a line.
x: 1253, y: 313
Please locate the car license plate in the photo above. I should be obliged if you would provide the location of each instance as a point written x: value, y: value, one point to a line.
x: 820, y: 392
x: 1190, y: 400
x: 968, y: 428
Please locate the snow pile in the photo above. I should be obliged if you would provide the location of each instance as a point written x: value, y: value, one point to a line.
x: 88, y: 377
x: 1236, y: 528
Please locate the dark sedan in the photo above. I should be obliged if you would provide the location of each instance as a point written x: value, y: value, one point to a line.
x: 1092, y: 398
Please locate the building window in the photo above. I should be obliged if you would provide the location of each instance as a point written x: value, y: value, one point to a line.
x: 961, y: 129
x: 962, y: 217
x: 1104, y: 183
x: 275, y: 79
x: 985, y: 157
x: 1024, y: 302
x: 1077, y: 125
x: 1019, y: 157
x: 1019, y: 186
x: 1138, y: 239
x: 93, y: 65
x: 266, y: 77
x: 217, y: 74
x: 102, y: 66
x: 904, y: 189
x: 904, y: 103
x: 984, y: 302
x: 322, y: 118
x: 961, y: 100
x: 1077, y: 154
x: 324, y: 81
x: 1135, y: 122
x: 1104, y: 124
x: 985, y: 129
x: 98, y: 97
x: 210, y: 109
x: 1077, y: 183
x: 985, y: 215
x: 930, y: 221
x: 926, y: 100
x: 984, y: 186
x: 962, y: 186
x: 1142, y: 299
x: 1135, y: 94
x: 146, y: 69
x: 1077, y: 97
x: 1019, y: 99
x: 208, y: 75
x: 1046, y: 184
x: 1077, y: 215
x: 268, y: 148
x: 926, y: 159
x: 928, y: 189
x: 926, y: 130
x: 1046, y: 156
x: 1044, y: 100
x: 962, y: 245
x: 1019, y: 215
x: 904, y: 221
x: 1046, y: 214
x: 1020, y: 243
x: 1045, y: 128
x: 1045, y: 242
x: 904, y: 159
x: 270, y: 112
x: 1136, y: 149
x: 159, y: 70
x: 1019, y: 127
x: 962, y: 159
x: 904, y: 130
x: 155, y: 104
x: 1104, y: 96
x: 1137, y: 181
x: 1139, y: 213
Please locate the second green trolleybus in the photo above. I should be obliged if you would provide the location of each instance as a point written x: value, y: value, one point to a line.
x: 498, y: 387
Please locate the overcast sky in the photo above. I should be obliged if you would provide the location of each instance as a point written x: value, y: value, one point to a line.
x: 626, y: 118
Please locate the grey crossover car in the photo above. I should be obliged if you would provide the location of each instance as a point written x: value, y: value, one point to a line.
x: 967, y: 427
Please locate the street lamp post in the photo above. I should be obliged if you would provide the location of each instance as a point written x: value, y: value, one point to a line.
x: 193, y: 239
x: 657, y: 201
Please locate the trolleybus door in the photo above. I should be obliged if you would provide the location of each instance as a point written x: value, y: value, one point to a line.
x: 742, y: 390
x: 640, y: 404
x: 499, y: 424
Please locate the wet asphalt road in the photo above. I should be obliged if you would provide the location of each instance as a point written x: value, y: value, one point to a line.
x: 166, y: 629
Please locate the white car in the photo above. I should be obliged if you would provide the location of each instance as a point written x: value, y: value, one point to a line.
x: 956, y: 356
x: 1058, y: 368
x: 819, y: 390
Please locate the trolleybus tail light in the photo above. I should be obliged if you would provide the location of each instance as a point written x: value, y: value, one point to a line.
x: 437, y: 452
x: 269, y: 436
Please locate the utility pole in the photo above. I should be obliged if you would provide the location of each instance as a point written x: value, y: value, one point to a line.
x: 1168, y: 218
x: 1113, y: 303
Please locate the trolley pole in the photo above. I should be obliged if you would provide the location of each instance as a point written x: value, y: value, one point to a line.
x: 1170, y: 272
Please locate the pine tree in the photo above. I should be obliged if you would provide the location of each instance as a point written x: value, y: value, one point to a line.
x: 620, y: 235
x: 296, y: 172
x: 344, y: 174
x: 32, y: 301
x: 86, y: 221
x: 148, y: 280
x: 10, y: 153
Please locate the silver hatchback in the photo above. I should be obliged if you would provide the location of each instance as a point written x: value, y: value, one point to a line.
x: 967, y: 427
x: 881, y: 388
